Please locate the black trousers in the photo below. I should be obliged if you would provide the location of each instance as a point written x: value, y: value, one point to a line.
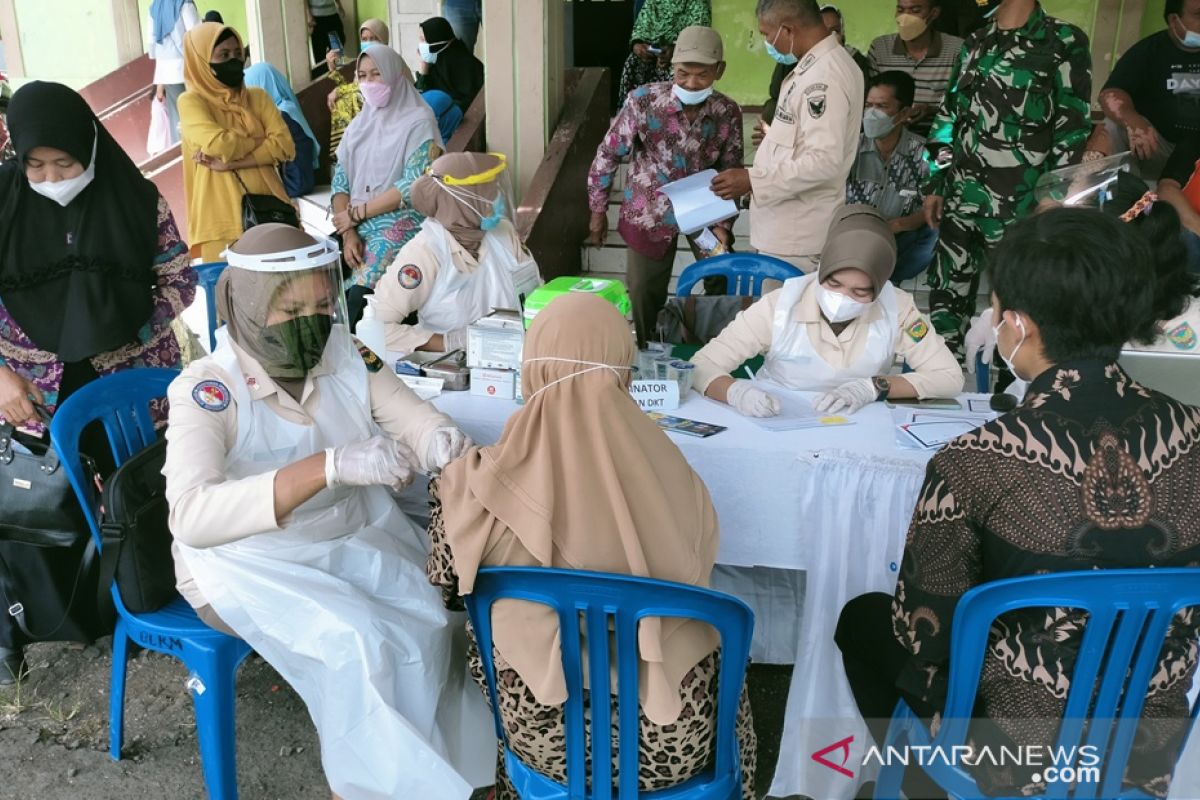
x: 873, y: 659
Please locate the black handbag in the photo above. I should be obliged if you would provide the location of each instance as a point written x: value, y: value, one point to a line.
x: 135, y: 547
x: 261, y: 208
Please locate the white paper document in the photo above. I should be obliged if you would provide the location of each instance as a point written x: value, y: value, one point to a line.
x: 796, y: 412
x: 694, y: 203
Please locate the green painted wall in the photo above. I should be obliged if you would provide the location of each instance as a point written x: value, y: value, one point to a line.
x: 1152, y: 19
x: 749, y: 69
x: 232, y: 11
x: 372, y: 8
x: 69, y: 41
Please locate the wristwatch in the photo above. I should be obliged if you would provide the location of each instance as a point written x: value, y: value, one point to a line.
x: 881, y: 387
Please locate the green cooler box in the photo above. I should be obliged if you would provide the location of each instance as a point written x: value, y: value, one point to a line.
x: 611, y: 290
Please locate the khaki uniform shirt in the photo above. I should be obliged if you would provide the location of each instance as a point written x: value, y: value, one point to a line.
x: 409, y: 281
x: 936, y: 372
x: 798, y: 180
x: 206, y: 508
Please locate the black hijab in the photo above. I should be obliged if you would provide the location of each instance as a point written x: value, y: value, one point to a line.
x: 78, y: 280
x: 457, y: 71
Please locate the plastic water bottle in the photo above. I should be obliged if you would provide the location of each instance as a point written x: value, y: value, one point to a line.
x: 370, y: 330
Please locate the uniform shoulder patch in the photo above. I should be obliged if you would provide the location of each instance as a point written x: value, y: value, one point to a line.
x: 816, y: 106
x: 411, y: 276
x: 211, y: 395
x: 918, y: 330
x: 1183, y: 336
x: 816, y: 87
x: 374, y: 362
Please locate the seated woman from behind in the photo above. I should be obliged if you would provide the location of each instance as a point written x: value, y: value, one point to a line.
x: 837, y: 331
x: 282, y: 446
x: 550, y: 493
x: 466, y: 260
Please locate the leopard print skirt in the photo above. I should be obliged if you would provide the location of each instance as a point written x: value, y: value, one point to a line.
x: 667, y: 754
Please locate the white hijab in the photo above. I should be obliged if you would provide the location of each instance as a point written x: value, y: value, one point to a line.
x: 378, y: 143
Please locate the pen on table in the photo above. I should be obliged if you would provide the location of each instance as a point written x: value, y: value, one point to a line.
x: 748, y: 371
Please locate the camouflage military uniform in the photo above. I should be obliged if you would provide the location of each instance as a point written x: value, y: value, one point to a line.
x: 1016, y: 107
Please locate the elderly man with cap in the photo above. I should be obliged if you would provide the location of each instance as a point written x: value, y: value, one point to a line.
x: 667, y: 131
x: 837, y: 332
x: 283, y: 447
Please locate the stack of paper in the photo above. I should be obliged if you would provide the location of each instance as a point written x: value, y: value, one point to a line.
x: 694, y: 203
x: 931, y: 430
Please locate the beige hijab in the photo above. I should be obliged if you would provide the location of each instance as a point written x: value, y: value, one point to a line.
x: 582, y: 479
x: 461, y: 209
x: 378, y: 27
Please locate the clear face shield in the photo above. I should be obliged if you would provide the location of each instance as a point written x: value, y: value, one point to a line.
x: 485, y: 195
x: 1088, y: 185
x: 286, y: 307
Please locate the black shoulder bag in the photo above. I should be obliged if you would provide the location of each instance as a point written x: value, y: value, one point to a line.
x: 135, y: 547
x: 260, y: 208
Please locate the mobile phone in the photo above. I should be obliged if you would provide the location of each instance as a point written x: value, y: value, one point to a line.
x: 335, y: 43
x: 653, y: 50
x: 928, y: 402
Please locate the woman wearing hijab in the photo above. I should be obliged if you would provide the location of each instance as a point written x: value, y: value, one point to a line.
x: 388, y: 146
x: 466, y: 260
x: 230, y: 133
x: 298, y: 174
x: 345, y: 101
x: 92, y: 274
x: 282, y: 447
x: 450, y: 74
x: 653, y: 40
x: 550, y: 494
x: 170, y: 20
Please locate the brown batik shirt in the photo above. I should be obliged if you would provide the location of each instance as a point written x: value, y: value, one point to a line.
x: 1092, y: 471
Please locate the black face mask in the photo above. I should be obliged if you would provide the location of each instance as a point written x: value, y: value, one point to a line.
x: 231, y: 72
x: 302, y: 339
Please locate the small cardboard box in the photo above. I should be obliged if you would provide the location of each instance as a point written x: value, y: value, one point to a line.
x: 493, y: 382
x: 496, y: 341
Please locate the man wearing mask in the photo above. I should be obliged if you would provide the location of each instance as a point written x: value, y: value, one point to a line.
x: 1151, y: 102
x: 835, y: 22
x: 798, y: 180
x: 889, y: 169
x: 1016, y: 108
x: 922, y: 52
x: 667, y: 131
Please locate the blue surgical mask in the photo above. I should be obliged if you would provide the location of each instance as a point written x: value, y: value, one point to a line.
x: 426, y: 51
x: 783, y: 58
x: 1190, y: 38
x: 691, y: 98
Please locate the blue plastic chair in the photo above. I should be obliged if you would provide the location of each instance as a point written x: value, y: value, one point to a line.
x: 1128, y: 614
x: 208, y: 275
x: 121, y: 402
x: 616, y: 602
x: 745, y: 271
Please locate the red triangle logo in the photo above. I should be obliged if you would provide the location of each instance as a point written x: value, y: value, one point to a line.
x: 844, y: 747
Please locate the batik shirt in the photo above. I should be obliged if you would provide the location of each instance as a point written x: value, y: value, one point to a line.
x: 662, y: 146
x: 1092, y: 471
x: 1016, y: 107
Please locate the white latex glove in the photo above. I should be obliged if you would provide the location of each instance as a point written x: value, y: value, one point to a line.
x: 379, y: 461
x: 751, y: 401
x: 447, y: 445
x: 847, y: 398
x: 455, y: 340
x: 979, y: 338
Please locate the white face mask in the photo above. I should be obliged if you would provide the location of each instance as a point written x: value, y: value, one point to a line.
x: 838, y: 307
x: 593, y: 366
x: 691, y: 98
x: 1008, y: 359
x: 426, y: 51
x: 877, y: 124
x: 64, y: 191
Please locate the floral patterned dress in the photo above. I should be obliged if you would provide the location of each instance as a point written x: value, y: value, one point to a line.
x: 384, y: 234
x: 157, y: 346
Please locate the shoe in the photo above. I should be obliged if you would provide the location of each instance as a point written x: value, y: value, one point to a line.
x: 12, y: 664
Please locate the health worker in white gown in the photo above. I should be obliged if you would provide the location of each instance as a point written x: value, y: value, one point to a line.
x: 282, y: 447
x: 838, y: 331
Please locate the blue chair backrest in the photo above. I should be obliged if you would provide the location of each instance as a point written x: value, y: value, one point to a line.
x: 120, y: 401
x: 208, y: 275
x: 616, y: 602
x: 745, y: 271
x: 1128, y: 610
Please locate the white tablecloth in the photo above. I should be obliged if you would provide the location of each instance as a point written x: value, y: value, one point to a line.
x: 834, y: 502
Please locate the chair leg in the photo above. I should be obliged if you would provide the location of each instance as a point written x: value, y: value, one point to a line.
x: 216, y: 729
x: 891, y: 774
x: 116, y: 703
